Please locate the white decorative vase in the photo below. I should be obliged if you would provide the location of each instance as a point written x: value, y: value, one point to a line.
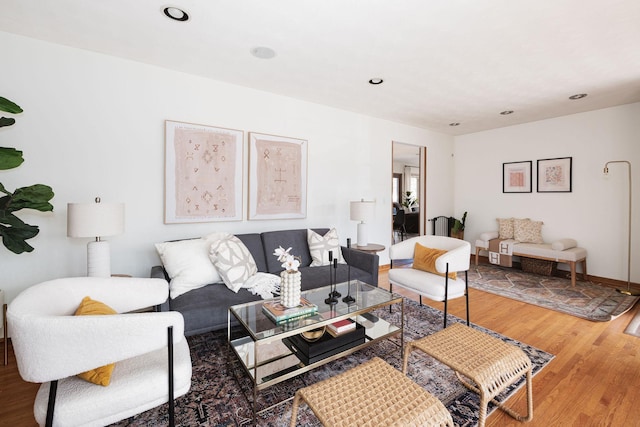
x: 290, y: 288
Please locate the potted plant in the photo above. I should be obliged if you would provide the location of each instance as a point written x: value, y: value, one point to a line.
x: 457, y: 230
x: 409, y: 200
x: 13, y: 230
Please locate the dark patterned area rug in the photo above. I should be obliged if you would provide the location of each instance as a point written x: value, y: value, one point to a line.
x: 216, y: 397
x: 586, y: 300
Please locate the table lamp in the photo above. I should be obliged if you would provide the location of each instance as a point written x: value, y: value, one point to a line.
x: 96, y: 220
x: 362, y: 211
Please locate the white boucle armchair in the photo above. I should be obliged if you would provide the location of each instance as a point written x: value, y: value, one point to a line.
x: 433, y: 286
x: 52, y: 346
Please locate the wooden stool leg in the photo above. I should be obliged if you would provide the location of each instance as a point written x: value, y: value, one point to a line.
x: 294, y: 410
x: 405, y: 359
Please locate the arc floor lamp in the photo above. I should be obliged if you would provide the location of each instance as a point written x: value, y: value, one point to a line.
x: 627, y: 291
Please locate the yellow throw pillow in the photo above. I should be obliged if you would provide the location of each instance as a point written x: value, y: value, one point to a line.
x: 102, y: 375
x: 425, y: 259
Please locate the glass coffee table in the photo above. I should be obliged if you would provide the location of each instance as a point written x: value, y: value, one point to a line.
x: 256, y: 342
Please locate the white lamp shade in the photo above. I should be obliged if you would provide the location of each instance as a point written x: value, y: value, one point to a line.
x: 95, y: 219
x: 361, y: 211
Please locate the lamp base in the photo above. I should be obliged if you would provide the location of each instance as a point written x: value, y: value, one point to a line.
x: 98, y: 259
x: 363, y: 237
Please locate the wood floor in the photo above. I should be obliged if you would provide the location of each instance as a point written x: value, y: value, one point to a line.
x: 594, y: 379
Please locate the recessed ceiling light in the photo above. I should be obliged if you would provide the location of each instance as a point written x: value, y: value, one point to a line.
x: 454, y: 124
x: 506, y: 112
x: 376, y: 81
x: 176, y: 14
x: 263, y: 52
x: 578, y: 96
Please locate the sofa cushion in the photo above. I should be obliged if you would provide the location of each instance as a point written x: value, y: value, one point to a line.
x: 253, y: 242
x: 206, y: 309
x: 321, y: 245
x: 234, y: 262
x: 294, y: 239
x: 188, y: 265
x: 527, y: 231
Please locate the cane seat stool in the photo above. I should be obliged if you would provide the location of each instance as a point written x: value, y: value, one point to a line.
x: 491, y: 364
x: 372, y: 394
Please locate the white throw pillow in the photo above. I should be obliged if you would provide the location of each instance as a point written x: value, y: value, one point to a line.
x: 320, y: 246
x: 187, y: 264
x: 234, y: 262
x: 564, y: 244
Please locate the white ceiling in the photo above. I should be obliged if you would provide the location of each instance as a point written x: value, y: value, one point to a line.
x: 442, y: 61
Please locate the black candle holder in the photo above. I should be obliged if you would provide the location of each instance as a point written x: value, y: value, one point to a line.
x: 335, y: 292
x: 349, y: 299
x: 332, y: 299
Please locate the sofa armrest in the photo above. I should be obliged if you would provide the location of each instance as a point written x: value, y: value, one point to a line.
x: 363, y: 260
x: 158, y: 272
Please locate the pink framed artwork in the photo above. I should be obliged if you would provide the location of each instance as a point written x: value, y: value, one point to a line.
x: 554, y: 175
x: 277, y: 177
x: 203, y: 173
x: 516, y: 177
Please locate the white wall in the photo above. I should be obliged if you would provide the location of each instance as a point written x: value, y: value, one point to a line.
x: 595, y: 212
x: 93, y: 126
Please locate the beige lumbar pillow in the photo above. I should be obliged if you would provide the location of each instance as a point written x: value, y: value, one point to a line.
x: 563, y: 244
x: 527, y: 231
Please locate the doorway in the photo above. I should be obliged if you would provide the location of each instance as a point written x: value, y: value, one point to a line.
x: 408, y: 185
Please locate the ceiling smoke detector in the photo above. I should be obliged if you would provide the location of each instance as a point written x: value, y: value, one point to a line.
x: 506, y: 112
x: 454, y: 124
x: 376, y: 81
x: 578, y: 96
x: 263, y: 52
x: 176, y: 14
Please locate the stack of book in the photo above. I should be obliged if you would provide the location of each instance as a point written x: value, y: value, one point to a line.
x: 341, y: 327
x: 281, y: 314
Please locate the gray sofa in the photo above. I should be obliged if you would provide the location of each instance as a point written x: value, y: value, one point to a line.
x: 205, y: 309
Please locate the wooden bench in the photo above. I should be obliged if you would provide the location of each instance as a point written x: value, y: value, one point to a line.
x: 544, y: 251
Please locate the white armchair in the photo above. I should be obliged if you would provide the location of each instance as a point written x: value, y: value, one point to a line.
x: 433, y: 286
x: 52, y: 346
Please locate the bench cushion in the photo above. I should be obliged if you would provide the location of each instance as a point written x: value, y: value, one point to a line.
x: 546, y: 251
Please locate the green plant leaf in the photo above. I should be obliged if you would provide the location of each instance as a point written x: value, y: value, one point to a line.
x: 35, y: 196
x: 10, y: 158
x: 6, y: 121
x: 9, y: 106
x: 14, y: 238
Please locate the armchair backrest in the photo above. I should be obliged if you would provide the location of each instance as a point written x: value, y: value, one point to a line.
x: 51, y: 343
x: 458, y: 251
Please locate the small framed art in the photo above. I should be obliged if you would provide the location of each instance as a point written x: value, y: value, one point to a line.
x: 277, y: 177
x: 554, y: 175
x: 203, y: 173
x: 516, y: 177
